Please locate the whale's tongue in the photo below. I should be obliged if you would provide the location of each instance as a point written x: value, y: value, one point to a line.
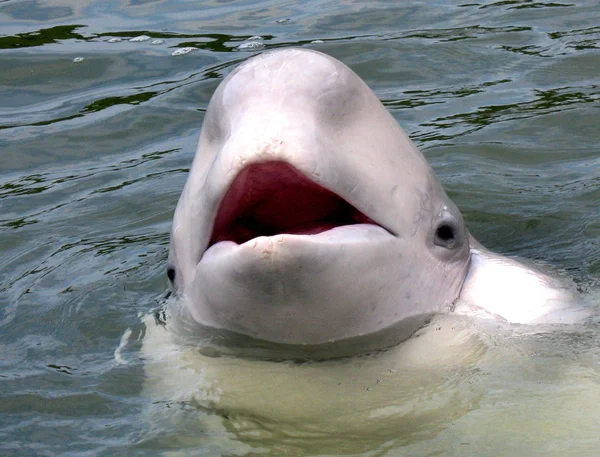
x: 269, y: 198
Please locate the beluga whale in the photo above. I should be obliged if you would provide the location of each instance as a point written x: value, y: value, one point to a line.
x: 310, y: 218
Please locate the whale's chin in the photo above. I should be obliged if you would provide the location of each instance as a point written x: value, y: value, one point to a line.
x: 274, y: 198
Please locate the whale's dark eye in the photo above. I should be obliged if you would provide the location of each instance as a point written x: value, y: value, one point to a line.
x: 171, y: 273
x: 445, y: 235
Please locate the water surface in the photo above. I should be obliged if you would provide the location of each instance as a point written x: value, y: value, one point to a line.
x: 100, y: 108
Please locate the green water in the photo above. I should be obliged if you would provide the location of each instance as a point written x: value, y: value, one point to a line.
x: 97, y: 132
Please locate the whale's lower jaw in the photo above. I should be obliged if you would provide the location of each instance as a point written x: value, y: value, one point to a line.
x: 343, y: 283
x: 261, y: 249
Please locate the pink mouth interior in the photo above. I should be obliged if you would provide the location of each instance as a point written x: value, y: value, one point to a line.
x: 269, y: 198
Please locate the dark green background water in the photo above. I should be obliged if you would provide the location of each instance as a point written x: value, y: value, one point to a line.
x: 503, y: 97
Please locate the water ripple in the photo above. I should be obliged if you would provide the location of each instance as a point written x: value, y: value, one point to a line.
x: 503, y: 96
x: 546, y: 102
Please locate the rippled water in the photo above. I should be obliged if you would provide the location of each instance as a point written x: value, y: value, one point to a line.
x: 100, y: 108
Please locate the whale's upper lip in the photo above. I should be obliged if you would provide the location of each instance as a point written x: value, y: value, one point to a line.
x: 273, y: 198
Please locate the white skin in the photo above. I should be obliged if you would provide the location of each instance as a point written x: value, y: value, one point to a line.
x: 304, y: 111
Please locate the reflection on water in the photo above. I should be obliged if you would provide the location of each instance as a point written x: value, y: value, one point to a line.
x: 346, y: 406
x: 458, y: 386
x: 502, y: 96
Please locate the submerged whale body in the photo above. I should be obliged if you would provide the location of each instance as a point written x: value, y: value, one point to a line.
x: 309, y: 217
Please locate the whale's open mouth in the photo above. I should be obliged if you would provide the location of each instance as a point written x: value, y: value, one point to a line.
x: 271, y: 198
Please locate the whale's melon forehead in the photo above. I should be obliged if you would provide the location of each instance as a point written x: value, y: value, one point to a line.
x: 291, y: 81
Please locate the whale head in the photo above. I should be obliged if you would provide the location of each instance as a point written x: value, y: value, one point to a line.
x: 308, y: 215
